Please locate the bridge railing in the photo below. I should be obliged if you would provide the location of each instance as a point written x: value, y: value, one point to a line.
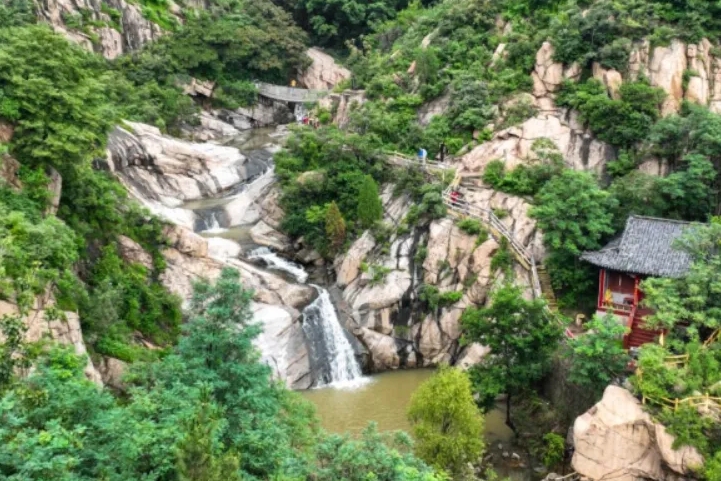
x: 290, y: 94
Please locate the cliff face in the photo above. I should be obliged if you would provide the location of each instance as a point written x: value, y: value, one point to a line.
x: 113, y: 27
x: 387, y: 313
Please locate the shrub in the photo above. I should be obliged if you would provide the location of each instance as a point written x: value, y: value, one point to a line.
x: 471, y: 226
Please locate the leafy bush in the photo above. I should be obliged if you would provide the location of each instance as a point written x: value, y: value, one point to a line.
x: 554, y: 451
x: 435, y: 300
x: 623, y: 122
x: 471, y: 226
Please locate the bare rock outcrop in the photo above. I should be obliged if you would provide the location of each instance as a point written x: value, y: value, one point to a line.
x: 515, y: 145
x: 323, y: 73
x: 64, y: 329
x: 342, y: 105
x: 133, y: 252
x: 112, y: 37
x: 9, y: 169
x: 382, y: 283
x: 617, y: 439
x: 112, y: 371
x: 161, y: 166
x: 265, y: 235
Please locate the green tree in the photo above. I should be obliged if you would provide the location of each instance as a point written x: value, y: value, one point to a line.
x: 694, y: 298
x: 52, y: 92
x: 370, y: 207
x: 197, y: 457
x: 522, y: 336
x: 447, y: 425
x: 370, y: 456
x: 14, y: 352
x: 335, y: 227
x: 598, y: 357
x: 217, y: 351
x: 575, y: 215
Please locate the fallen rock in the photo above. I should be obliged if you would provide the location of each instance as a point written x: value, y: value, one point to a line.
x: 616, y: 438
x: 222, y: 249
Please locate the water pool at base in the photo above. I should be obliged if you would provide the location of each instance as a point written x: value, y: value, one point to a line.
x: 384, y: 400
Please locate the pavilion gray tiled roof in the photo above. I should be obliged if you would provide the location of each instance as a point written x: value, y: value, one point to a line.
x: 645, y: 247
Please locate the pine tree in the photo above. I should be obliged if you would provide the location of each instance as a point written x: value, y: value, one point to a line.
x: 370, y: 208
x: 334, y: 227
x: 197, y: 457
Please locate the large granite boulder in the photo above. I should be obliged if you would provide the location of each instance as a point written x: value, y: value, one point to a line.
x: 617, y: 439
x: 323, y: 73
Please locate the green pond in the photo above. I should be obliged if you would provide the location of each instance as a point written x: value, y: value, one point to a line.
x: 384, y: 399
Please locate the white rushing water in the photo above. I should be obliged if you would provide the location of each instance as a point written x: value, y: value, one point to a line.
x: 212, y: 225
x: 274, y: 261
x: 333, y: 355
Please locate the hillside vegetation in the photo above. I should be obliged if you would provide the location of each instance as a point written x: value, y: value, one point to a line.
x: 203, y: 407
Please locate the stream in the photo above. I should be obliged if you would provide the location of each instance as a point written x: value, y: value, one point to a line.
x: 345, y: 399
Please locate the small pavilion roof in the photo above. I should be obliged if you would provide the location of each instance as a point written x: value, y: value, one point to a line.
x: 645, y: 247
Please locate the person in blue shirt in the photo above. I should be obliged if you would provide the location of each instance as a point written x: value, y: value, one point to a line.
x: 422, y: 155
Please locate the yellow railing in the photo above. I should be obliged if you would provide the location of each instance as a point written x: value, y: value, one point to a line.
x: 692, y: 401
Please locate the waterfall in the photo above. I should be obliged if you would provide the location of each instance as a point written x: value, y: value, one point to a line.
x: 212, y: 225
x: 332, y: 356
x: 274, y: 261
x: 331, y: 351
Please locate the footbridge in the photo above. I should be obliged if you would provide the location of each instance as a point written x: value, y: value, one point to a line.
x: 289, y: 94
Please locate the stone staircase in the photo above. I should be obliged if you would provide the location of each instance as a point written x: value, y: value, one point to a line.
x: 547, y: 288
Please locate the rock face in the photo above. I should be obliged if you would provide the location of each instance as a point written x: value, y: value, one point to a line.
x: 65, y: 330
x: 386, y: 309
x: 342, y: 105
x: 9, y: 168
x: 323, y: 73
x: 617, y: 439
x: 515, y: 145
x: 175, y: 169
x: 163, y: 172
x: 113, y: 37
x: 277, y: 303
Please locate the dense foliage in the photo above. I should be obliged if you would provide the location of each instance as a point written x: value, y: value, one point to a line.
x: 207, y: 411
x: 447, y: 425
x: 522, y: 335
x: 598, y: 358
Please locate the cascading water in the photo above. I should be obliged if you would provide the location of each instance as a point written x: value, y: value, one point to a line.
x: 332, y: 353
x: 274, y: 261
x: 212, y: 225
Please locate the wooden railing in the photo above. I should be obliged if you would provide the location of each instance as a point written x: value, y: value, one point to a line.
x: 495, y: 225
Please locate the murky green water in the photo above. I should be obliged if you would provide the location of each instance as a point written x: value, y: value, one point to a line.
x: 384, y: 400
